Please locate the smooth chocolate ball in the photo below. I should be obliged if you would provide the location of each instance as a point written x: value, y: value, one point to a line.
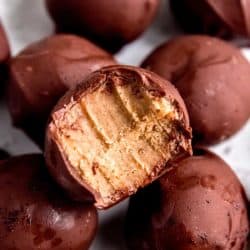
x: 198, y: 205
x: 4, y: 56
x: 213, y: 78
x: 224, y: 18
x: 34, y: 212
x: 43, y: 72
x: 110, y: 23
x: 115, y: 133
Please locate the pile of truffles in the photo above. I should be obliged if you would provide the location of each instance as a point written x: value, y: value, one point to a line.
x: 109, y: 131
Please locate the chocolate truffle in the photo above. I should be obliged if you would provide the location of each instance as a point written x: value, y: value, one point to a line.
x: 109, y: 23
x: 212, y: 77
x: 43, y: 72
x: 224, y: 18
x: 198, y: 205
x: 4, y: 56
x: 3, y: 155
x: 115, y: 133
x: 35, y: 214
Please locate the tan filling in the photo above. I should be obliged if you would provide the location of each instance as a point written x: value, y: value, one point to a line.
x: 117, y: 140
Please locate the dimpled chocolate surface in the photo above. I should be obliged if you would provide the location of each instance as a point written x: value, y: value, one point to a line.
x: 198, y: 205
x: 35, y: 214
x: 4, y: 55
x: 213, y: 79
x: 43, y: 72
x: 116, y: 133
x: 109, y: 23
x: 224, y: 18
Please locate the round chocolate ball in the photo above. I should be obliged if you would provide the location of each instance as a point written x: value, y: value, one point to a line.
x: 198, y: 205
x: 115, y: 133
x: 212, y: 77
x: 35, y: 214
x: 43, y: 72
x: 4, y: 56
x: 110, y: 23
x: 224, y: 18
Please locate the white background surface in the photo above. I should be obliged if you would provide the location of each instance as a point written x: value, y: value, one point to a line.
x: 26, y: 21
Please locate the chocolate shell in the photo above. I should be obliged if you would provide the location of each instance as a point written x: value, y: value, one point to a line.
x: 198, y: 205
x: 110, y: 23
x: 43, y: 72
x: 224, y: 18
x: 34, y: 212
x: 213, y: 78
x: 115, y: 133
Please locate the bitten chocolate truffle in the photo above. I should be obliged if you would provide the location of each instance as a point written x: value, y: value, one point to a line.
x: 35, y: 214
x: 198, y: 205
x: 224, y: 18
x: 4, y: 55
x: 115, y: 133
x: 212, y: 77
x: 43, y: 72
x: 110, y: 23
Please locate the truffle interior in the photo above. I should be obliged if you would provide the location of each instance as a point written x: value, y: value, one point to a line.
x: 119, y: 138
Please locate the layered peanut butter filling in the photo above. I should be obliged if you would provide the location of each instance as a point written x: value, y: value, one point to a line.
x: 119, y: 138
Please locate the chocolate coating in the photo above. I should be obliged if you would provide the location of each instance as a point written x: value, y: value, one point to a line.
x: 110, y: 24
x: 224, y: 18
x: 212, y: 77
x: 198, y: 205
x: 43, y: 72
x: 4, y: 56
x: 115, y: 133
x: 35, y: 214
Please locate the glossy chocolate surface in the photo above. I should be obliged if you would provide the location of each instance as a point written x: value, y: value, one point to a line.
x: 110, y: 23
x: 213, y: 78
x: 43, y: 72
x: 35, y: 214
x: 198, y: 205
x: 224, y: 18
